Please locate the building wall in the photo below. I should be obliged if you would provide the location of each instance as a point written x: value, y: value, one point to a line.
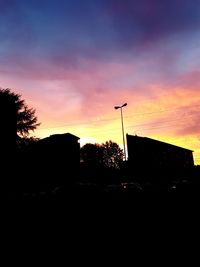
x: 145, y: 154
x: 56, y: 160
x: 8, y: 124
x: 8, y: 131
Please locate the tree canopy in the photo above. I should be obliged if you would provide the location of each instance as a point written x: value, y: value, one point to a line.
x: 107, y: 154
x: 26, y: 119
x: 112, y: 154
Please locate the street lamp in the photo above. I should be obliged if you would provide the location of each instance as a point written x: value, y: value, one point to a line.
x: 116, y: 107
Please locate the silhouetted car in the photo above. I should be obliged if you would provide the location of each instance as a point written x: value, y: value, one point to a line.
x: 123, y: 187
x: 113, y: 188
x: 185, y: 186
x: 156, y: 188
x: 85, y: 187
x: 131, y: 187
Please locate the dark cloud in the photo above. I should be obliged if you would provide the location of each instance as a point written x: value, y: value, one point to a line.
x: 63, y: 32
x: 106, y: 24
x: 7, y: 5
x: 147, y: 20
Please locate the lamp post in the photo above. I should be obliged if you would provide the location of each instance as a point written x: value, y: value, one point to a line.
x: 117, y: 107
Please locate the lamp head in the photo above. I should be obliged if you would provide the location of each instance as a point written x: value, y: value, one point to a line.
x: 124, y: 105
x: 116, y: 107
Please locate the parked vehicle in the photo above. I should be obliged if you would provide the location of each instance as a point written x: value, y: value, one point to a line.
x: 131, y: 187
x: 113, y: 188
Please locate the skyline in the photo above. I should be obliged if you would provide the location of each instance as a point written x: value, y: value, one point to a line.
x: 74, y: 60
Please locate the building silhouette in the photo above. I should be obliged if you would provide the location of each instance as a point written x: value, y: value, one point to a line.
x: 8, y: 121
x: 8, y: 134
x: 51, y: 161
x: 148, y: 157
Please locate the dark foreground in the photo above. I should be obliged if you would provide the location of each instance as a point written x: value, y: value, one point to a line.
x: 84, y: 201
x: 83, y: 223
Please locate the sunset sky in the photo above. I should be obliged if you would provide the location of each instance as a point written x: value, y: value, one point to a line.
x: 74, y: 60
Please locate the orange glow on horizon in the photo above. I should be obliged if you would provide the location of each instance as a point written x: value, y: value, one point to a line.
x: 85, y: 106
x: 160, y: 118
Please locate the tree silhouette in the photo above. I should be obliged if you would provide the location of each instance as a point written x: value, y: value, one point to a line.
x: 25, y: 142
x: 112, y: 154
x: 108, y: 154
x: 26, y: 120
x: 92, y: 154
